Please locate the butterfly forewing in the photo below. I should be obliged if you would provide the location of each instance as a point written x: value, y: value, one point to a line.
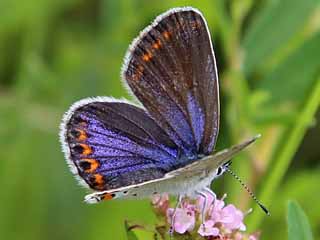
x: 171, y: 69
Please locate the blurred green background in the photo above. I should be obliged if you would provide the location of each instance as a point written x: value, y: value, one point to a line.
x: 53, y: 53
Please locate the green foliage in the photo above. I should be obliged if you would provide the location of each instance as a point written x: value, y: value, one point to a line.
x: 56, y: 52
x: 273, y: 28
x: 301, y: 68
x: 298, y: 225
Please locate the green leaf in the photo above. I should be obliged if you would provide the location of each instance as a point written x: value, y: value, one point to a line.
x: 273, y: 28
x: 298, y: 225
x: 297, y: 73
x: 303, y: 187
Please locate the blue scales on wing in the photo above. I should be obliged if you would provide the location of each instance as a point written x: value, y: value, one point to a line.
x: 115, y: 144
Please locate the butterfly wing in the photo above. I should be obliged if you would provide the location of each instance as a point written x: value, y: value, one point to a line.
x: 212, y: 162
x: 208, y: 164
x: 112, y: 144
x: 171, y: 69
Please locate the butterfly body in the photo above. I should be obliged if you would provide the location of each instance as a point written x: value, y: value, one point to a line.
x: 165, y: 144
x: 186, y: 181
x: 175, y: 183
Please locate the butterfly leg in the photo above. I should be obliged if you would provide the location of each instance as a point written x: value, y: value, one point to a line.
x: 209, y: 191
x: 205, y: 194
x: 203, y: 210
x: 174, y: 215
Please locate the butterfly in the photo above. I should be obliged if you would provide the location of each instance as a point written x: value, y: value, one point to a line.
x: 165, y: 143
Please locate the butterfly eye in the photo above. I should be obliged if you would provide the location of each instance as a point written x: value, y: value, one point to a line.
x: 219, y: 171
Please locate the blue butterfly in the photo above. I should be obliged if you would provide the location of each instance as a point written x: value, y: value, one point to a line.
x: 123, y: 150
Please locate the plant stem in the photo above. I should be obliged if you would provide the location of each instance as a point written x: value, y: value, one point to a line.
x: 285, y: 154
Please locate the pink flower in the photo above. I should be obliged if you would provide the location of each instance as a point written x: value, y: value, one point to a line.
x: 215, y: 211
x: 208, y: 229
x: 232, y: 218
x: 161, y: 202
x: 220, y: 220
x: 184, y: 220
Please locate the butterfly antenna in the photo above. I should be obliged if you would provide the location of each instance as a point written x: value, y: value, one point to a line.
x: 249, y: 191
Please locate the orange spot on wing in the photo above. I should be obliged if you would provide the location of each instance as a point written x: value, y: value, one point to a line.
x: 195, y: 25
x: 82, y: 135
x: 94, y: 164
x: 86, y: 149
x: 140, y: 69
x: 146, y: 57
x: 157, y: 44
x: 99, y: 181
x: 139, y: 72
x: 166, y: 34
x: 107, y: 196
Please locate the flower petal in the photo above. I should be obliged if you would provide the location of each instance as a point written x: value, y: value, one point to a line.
x: 184, y: 219
x: 208, y: 229
x: 232, y: 218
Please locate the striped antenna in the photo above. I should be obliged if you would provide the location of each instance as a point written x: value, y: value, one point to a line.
x: 249, y: 191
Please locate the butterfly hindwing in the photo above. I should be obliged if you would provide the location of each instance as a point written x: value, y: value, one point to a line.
x: 171, y: 69
x: 112, y: 144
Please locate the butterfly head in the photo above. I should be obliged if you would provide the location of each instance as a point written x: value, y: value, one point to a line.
x: 222, y: 169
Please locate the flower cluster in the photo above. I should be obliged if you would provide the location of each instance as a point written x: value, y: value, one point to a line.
x: 221, y: 221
